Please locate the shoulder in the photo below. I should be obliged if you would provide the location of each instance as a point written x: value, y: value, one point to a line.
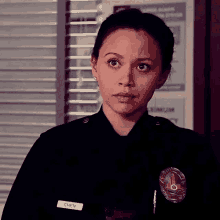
x: 187, y: 141
x: 186, y: 135
x: 71, y: 129
x: 63, y: 138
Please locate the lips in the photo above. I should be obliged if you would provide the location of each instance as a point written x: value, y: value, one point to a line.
x: 121, y: 94
x: 123, y: 97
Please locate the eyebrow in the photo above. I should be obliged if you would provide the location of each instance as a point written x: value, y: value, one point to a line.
x: 144, y: 58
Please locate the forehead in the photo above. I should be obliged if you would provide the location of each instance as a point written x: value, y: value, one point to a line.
x: 130, y: 41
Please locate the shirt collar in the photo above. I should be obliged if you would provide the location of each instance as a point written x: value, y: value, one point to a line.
x: 144, y: 122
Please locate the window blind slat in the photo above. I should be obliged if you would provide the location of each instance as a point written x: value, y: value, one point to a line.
x: 9, y: 64
x: 22, y: 129
x: 27, y: 118
x: 33, y: 29
x: 28, y: 13
x: 28, y: 35
x: 25, y: 124
x: 11, y: 19
x: 30, y: 75
x: 18, y: 140
x: 27, y: 53
x: 22, y: 42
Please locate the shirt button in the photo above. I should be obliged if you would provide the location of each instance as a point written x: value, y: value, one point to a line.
x: 85, y: 120
x: 158, y: 123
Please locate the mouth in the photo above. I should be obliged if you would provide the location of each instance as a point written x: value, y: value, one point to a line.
x: 124, y: 95
x: 124, y: 99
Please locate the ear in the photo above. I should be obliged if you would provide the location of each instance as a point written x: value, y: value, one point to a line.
x: 93, y: 64
x: 163, y: 78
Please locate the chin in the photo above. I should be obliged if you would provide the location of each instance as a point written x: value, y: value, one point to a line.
x: 124, y: 108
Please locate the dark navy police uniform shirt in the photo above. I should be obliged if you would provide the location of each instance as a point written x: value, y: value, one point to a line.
x: 84, y: 170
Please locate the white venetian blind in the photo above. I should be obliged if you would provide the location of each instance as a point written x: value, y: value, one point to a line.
x: 27, y: 81
x: 83, y: 97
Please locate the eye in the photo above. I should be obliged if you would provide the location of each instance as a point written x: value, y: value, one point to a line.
x: 144, y: 67
x: 113, y: 63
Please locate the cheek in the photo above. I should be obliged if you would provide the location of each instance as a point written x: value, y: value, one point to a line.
x: 146, y: 86
x: 105, y: 76
x: 104, y: 71
x: 105, y: 81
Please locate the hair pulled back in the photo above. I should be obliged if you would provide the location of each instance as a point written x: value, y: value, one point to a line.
x: 135, y: 19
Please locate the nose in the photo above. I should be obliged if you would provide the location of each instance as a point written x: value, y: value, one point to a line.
x: 126, y: 76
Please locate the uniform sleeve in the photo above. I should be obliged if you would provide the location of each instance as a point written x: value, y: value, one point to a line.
x: 24, y: 200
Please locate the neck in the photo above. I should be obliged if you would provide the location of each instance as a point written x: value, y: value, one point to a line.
x: 122, y: 121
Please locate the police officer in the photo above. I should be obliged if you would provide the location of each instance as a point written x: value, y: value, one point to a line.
x: 120, y: 163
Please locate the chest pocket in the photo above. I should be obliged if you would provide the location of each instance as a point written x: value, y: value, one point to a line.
x: 66, y: 214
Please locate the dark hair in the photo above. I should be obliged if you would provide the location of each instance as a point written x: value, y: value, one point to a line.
x: 135, y: 19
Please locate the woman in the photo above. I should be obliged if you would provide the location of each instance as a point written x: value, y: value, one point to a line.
x: 120, y: 163
x: 129, y: 64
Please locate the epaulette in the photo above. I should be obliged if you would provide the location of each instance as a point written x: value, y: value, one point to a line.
x: 164, y: 124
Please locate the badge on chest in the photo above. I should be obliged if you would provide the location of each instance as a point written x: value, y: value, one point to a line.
x: 173, y: 184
